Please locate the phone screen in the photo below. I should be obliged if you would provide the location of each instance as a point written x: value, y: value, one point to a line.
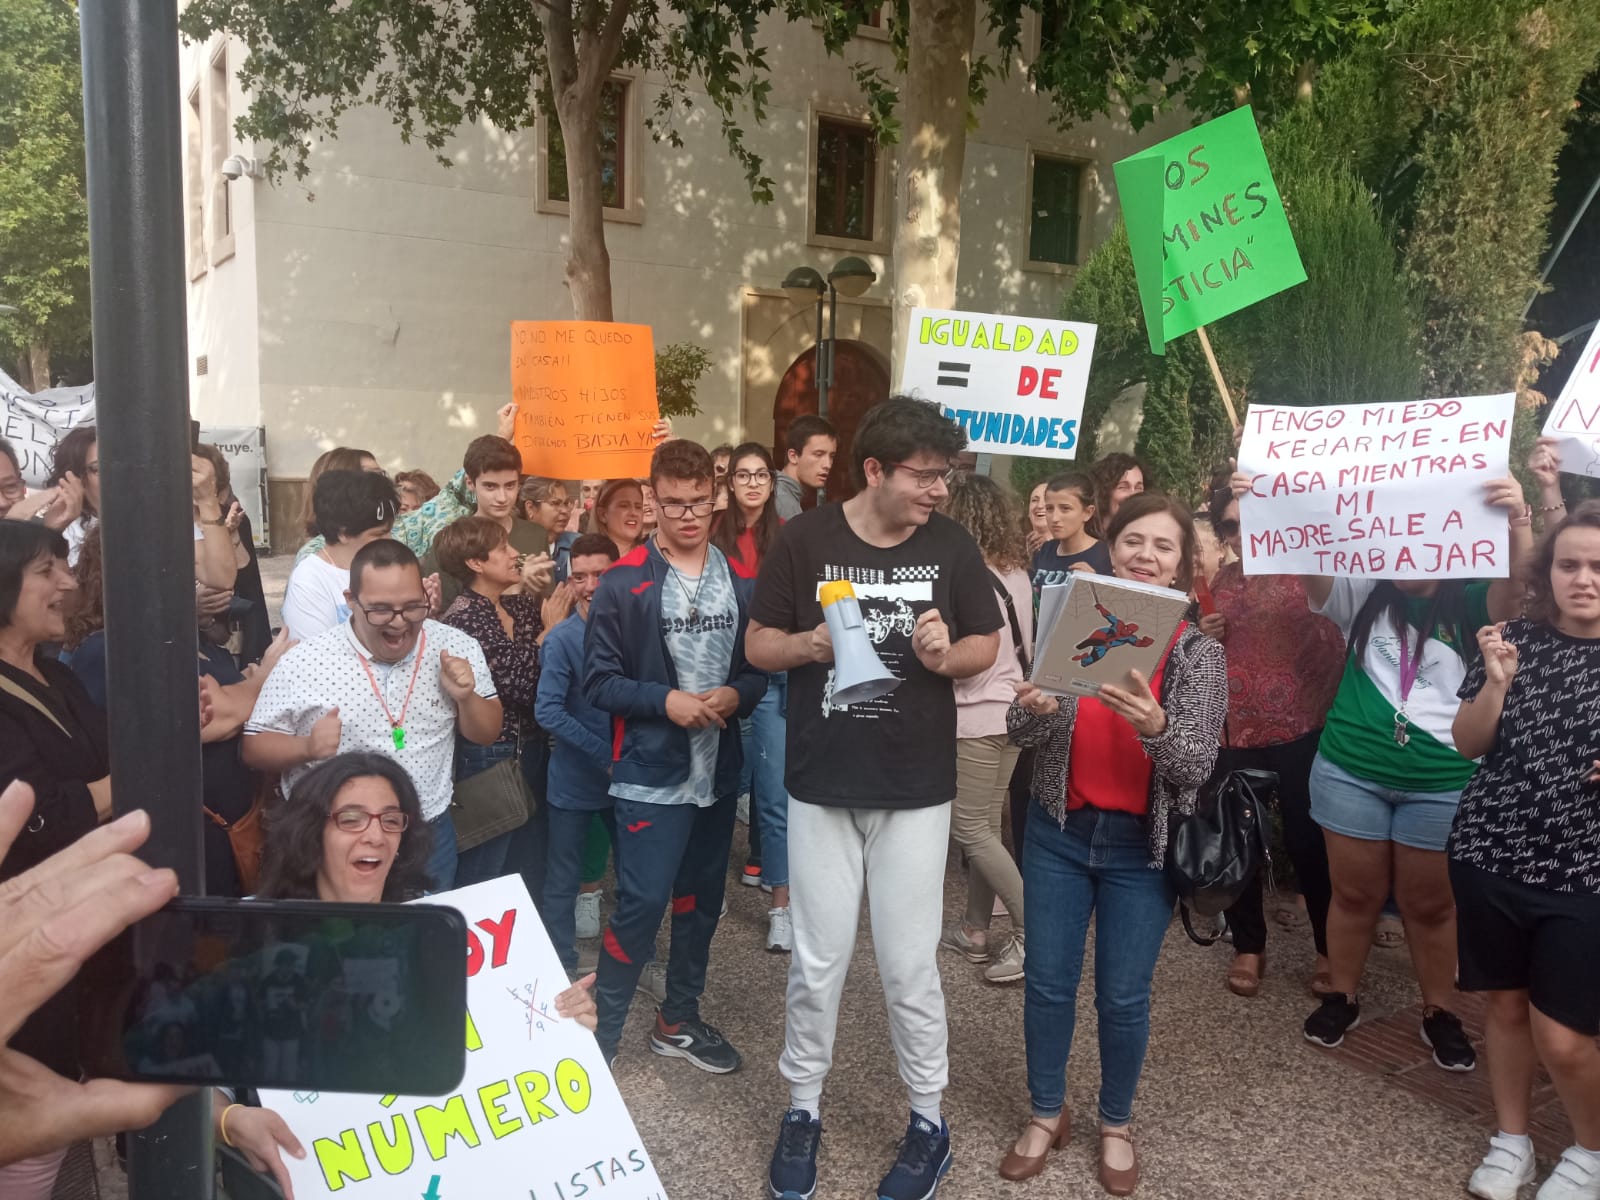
x: 289, y: 994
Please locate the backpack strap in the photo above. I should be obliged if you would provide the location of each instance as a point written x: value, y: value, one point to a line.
x: 1011, y: 615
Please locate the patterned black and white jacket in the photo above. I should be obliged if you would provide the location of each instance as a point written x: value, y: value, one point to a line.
x: 1194, y: 691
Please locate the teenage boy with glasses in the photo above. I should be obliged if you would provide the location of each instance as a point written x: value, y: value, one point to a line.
x: 388, y: 681
x: 664, y: 653
x: 870, y: 786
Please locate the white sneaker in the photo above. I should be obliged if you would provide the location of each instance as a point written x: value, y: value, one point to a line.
x: 1504, y: 1171
x: 653, y: 981
x: 780, y: 931
x: 586, y: 913
x: 1006, y: 967
x: 1576, y: 1177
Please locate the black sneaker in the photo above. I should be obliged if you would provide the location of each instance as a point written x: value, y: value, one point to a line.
x: 696, y: 1041
x: 1336, y: 1016
x: 1442, y: 1033
x: 793, y: 1173
x: 924, y: 1160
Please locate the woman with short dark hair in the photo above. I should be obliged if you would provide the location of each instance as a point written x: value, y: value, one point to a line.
x: 53, y: 738
x: 353, y: 508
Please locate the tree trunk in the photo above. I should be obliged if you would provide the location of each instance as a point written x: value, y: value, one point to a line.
x: 39, y: 365
x: 588, y: 260
x: 933, y: 149
x: 582, y: 41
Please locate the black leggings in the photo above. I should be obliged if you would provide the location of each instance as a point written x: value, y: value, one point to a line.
x: 1302, y: 838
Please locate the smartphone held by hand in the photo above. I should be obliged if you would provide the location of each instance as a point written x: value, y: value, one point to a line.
x: 289, y: 994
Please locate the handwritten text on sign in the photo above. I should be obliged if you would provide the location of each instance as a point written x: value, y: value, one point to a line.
x: 1206, y: 227
x: 1015, y: 384
x: 1391, y: 491
x: 537, y: 1114
x: 1575, y: 416
x: 586, y: 398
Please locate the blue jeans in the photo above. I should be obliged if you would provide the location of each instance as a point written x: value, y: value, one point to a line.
x: 488, y: 859
x: 442, y: 858
x: 769, y: 799
x: 529, y: 844
x: 569, y: 831
x: 1097, y: 866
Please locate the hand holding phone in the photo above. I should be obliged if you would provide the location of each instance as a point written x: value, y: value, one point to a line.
x: 51, y: 919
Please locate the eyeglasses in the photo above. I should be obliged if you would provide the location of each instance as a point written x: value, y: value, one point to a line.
x: 678, y: 512
x: 14, y: 489
x: 356, y: 820
x: 749, y: 477
x: 926, y: 479
x: 383, y: 614
x: 567, y: 503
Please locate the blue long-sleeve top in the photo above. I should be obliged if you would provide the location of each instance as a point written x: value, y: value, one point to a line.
x: 580, y: 761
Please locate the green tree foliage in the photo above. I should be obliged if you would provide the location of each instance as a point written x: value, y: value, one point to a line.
x: 44, y: 225
x: 679, y: 367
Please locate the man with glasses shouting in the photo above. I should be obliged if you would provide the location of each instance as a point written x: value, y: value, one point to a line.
x: 664, y: 656
x: 388, y: 681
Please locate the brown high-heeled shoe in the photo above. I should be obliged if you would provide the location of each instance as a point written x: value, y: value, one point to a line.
x: 1017, y: 1167
x: 1118, y: 1182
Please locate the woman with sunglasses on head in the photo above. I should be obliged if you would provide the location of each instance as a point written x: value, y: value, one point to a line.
x: 549, y: 503
x: 353, y: 834
x: 744, y: 531
x: 1284, y: 663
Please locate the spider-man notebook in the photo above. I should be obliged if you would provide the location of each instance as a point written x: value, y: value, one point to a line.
x: 1094, y: 629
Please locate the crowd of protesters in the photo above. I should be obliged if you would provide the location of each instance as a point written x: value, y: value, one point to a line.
x: 623, y: 654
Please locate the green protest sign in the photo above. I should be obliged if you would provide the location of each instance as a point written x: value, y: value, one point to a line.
x: 1206, y: 226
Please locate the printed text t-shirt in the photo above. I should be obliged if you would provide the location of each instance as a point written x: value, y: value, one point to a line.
x: 1359, y: 734
x: 1530, y: 813
x: 1051, y: 566
x: 898, y: 751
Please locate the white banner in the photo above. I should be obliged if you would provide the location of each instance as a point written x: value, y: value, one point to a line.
x: 537, y: 1116
x: 245, y: 448
x: 1575, y: 416
x: 1391, y: 491
x: 1015, y: 384
x: 34, y: 422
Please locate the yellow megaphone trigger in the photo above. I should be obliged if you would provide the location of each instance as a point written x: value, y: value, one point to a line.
x: 834, y: 591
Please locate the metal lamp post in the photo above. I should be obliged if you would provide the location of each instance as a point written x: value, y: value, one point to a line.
x: 851, y: 276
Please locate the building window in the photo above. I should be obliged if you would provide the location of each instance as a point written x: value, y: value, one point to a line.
x: 847, y: 178
x: 1053, y: 210
x: 220, y: 137
x: 613, y: 149
x: 194, y: 186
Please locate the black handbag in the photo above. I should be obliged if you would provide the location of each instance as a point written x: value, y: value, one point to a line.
x: 1213, y: 852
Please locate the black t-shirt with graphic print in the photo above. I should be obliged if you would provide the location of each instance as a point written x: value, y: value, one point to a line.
x: 1529, y: 813
x: 898, y: 751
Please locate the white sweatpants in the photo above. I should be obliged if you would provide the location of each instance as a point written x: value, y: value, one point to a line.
x: 897, y: 859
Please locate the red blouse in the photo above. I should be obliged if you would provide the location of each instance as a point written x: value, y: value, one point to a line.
x: 1109, y: 768
x: 1284, y: 661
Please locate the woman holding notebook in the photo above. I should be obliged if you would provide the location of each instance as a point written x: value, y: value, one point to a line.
x: 1110, y: 771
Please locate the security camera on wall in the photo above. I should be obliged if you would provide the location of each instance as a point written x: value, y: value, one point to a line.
x: 236, y: 166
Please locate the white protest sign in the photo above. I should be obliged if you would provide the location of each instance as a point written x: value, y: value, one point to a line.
x: 34, y: 422
x: 245, y: 448
x: 1015, y: 384
x: 1390, y: 491
x: 1575, y: 416
x: 537, y: 1117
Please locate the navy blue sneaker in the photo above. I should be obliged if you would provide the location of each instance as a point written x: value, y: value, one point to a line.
x: 793, y: 1173
x: 924, y: 1161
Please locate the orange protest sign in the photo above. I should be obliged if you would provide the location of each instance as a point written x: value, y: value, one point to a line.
x: 586, y: 398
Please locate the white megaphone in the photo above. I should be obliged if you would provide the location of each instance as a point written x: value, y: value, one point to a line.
x: 858, y: 674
